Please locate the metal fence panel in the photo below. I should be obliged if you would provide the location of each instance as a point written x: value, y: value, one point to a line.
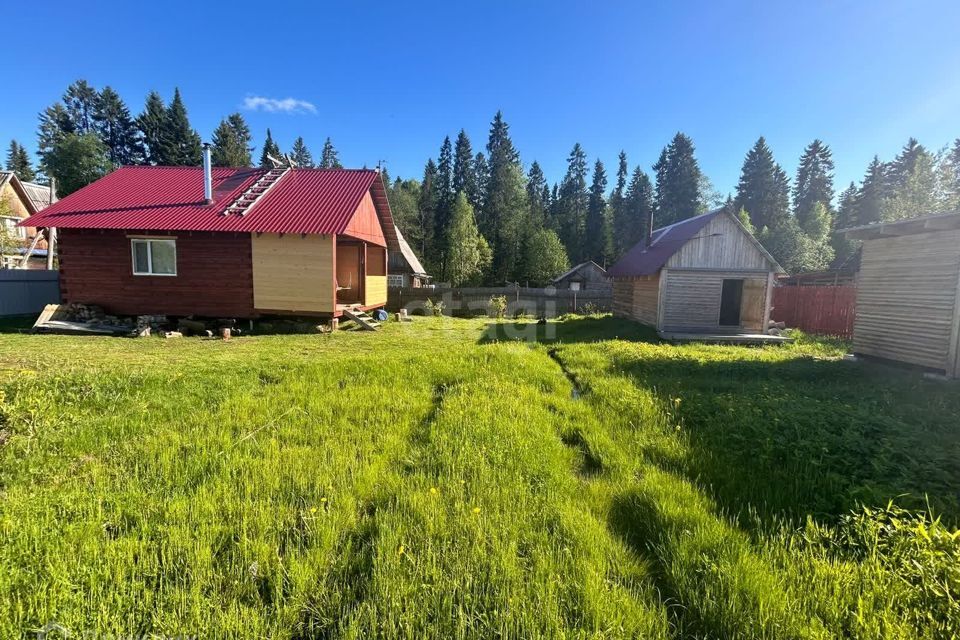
x: 25, y: 291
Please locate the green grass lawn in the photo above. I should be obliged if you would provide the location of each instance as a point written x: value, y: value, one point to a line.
x: 453, y: 479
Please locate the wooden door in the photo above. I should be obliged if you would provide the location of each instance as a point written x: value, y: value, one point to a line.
x: 753, y: 310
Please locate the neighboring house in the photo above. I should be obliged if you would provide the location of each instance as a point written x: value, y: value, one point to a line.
x: 404, y: 266
x: 586, y: 275
x: 706, y: 274
x: 908, y: 292
x: 225, y: 242
x: 20, y: 200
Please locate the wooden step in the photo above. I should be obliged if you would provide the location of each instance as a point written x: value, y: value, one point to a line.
x: 362, y: 318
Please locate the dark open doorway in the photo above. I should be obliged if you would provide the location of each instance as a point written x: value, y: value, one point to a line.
x: 731, y: 298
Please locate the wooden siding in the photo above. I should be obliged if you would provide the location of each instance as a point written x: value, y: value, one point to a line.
x: 293, y: 273
x: 365, y: 223
x: 691, y: 300
x: 213, y: 274
x: 907, y: 299
x: 636, y: 298
x: 722, y: 244
x: 375, y: 290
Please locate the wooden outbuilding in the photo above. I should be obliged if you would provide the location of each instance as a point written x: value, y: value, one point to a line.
x: 406, y: 271
x: 908, y: 292
x: 584, y: 276
x: 19, y: 200
x: 706, y: 275
x: 225, y: 242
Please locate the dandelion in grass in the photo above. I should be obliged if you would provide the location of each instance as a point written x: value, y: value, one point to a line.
x: 400, y: 550
x: 476, y: 510
x: 434, y: 491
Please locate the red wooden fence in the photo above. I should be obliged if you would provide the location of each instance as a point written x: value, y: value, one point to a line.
x: 826, y: 310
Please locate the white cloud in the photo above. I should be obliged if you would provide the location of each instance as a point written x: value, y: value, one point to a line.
x: 273, y: 105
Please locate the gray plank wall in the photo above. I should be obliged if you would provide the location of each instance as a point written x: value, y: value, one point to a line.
x: 25, y: 291
x: 907, y: 298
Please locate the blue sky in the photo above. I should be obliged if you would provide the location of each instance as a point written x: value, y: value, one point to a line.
x: 387, y: 81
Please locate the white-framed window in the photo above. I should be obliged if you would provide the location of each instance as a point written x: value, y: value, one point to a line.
x: 574, y: 286
x: 154, y: 257
x: 10, y: 226
x: 394, y: 280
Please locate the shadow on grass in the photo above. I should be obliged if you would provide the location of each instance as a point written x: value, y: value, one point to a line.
x: 568, y: 330
x: 17, y: 324
x: 802, y: 436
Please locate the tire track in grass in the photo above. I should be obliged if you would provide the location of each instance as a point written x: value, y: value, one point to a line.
x: 709, y: 577
x: 355, y: 552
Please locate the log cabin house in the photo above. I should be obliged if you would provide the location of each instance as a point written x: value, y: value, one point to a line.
x: 908, y: 292
x: 702, y: 276
x: 225, y: 242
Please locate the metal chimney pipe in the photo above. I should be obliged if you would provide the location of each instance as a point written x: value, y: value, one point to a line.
x: 650, y: 228
x: 207, y: 174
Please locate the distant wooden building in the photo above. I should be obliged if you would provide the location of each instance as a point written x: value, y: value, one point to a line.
x: 404, y: 266
x: 706, y: 274
x: 20, y: 200
x: 908, y: 293
x: 586, y: 275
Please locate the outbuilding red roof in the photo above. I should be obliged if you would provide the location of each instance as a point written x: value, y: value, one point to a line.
x: 313, y: 201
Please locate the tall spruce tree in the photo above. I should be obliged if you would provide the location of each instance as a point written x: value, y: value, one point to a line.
x: 150, y: 122
x: 231, y: 143
x: 300, y: 154
x: 873, y: 194
x: 912, y: 180
x: 572, y: 206
x: 814, y: 182
x: 117, y: 129
x: 679, y: 182
x: 638, y: 210
x: 505, y: 201
x: 18, y: 161
x: 179, y: 142
x: 617, y: 205
x: 426, y: 212
x: 595, y: 238
x: 764, y: 189
x: 481, y: 173
x: 329, y: 158
x: 80, y: 100
x: 843, y: 248
x: 270, y: 150
x: 444, y: 198
x: 464, y: 179
x: 538, y: 194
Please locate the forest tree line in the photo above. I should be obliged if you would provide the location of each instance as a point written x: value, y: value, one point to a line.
x: 528, y: 230
x: 483, y: 217
x: 90, y: 132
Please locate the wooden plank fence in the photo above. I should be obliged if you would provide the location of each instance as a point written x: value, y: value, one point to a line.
x: 823, y: 310
x: 26, y: 291
x: 470, y: 301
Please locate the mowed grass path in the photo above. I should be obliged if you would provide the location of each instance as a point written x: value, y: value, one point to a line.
x: 446, y: 479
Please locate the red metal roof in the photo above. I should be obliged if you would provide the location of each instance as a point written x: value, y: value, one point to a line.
x: 314, y: 201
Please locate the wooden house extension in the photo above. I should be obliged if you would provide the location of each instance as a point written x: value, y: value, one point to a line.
x: 706, y: 275
x: 908, y: 292
x: 225, y: 242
